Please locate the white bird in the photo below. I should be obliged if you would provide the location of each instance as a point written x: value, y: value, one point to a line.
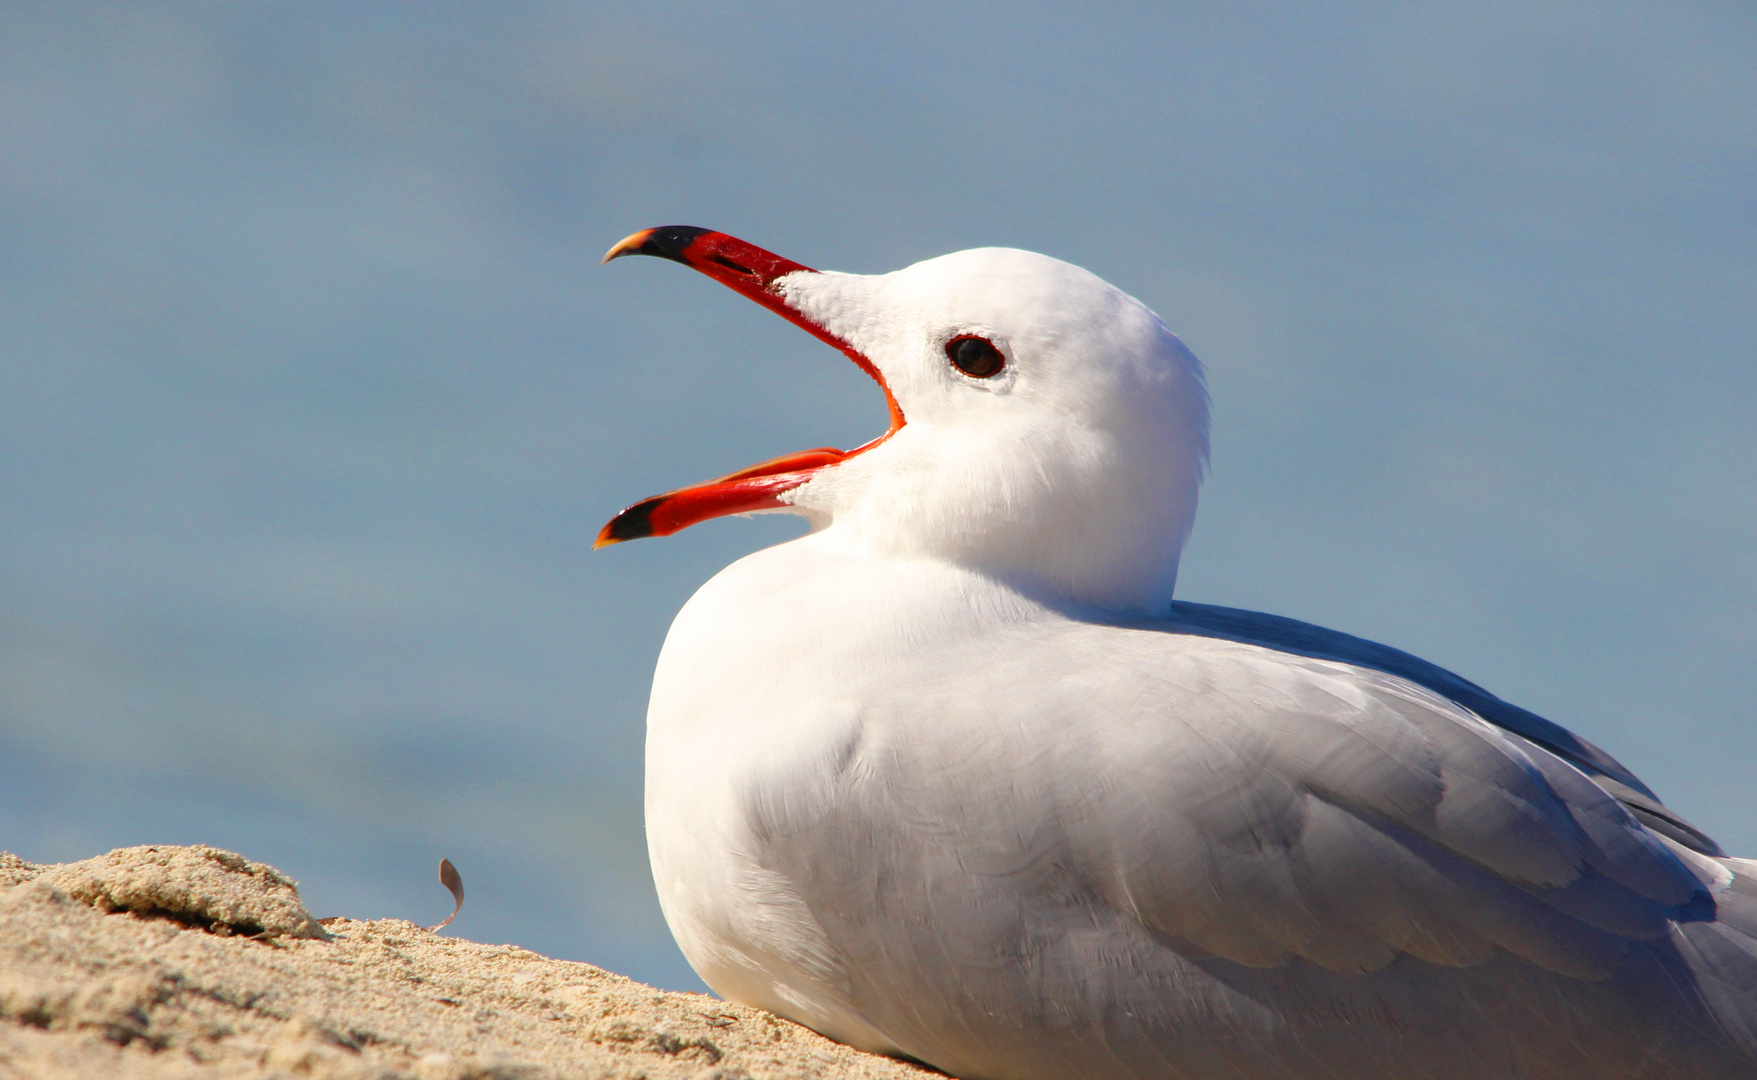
x: 954, y: 778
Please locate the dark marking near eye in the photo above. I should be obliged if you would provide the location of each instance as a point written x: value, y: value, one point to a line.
x: 975, y: 356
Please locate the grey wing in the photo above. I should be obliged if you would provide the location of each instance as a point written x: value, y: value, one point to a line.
x: 1309, y: 811
x: 1223, y: 860
x: 1304, y: 809
x: 1290, y: 635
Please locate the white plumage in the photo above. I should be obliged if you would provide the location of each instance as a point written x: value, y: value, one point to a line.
x: 954, y: 777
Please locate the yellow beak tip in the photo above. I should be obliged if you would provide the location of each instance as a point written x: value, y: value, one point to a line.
x: 626, y: 246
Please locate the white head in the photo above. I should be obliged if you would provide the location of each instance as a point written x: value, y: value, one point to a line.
x: 1067, y: 463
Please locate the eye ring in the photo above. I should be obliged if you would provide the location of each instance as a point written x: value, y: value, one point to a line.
x: 975, y: 356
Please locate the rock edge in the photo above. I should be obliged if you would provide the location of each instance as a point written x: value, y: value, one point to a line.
x: 170, y: 962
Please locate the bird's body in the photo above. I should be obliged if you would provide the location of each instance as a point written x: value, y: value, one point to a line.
x: 874, y: 809
x: 954, y: 778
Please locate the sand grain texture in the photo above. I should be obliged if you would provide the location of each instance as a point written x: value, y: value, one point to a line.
x: 161, y: 962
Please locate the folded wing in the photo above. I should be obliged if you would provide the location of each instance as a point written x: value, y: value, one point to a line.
x: 1295, y: 807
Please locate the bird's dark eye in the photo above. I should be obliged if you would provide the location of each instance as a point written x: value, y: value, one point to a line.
x: 975, y: 357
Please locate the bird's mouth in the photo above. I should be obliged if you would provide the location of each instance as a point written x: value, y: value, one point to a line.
x: 753, y: 272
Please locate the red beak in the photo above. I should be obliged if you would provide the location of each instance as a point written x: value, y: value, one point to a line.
x: 747, y: 269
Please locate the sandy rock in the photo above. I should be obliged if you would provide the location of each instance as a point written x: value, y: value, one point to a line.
x: 151, y: 992
x: 14, y: 869
x: 220, y: 891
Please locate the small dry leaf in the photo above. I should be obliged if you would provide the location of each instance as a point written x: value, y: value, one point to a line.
x: 449, y: 877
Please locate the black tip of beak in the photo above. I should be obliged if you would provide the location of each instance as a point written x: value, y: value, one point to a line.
x: 665, y: 242
x: 635, y: 523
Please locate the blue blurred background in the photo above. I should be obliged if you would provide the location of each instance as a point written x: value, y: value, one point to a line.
x: 313, y: 395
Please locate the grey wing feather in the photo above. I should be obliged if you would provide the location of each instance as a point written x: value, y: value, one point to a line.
x: 1305, y: 639
x: 1346, y: 817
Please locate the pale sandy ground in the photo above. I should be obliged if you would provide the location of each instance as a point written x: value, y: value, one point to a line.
x: 160, y: 962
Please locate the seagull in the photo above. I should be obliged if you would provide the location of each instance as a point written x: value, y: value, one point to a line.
x: 954, y: 778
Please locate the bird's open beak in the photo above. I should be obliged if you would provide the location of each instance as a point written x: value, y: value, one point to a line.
x: 749, y: 270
